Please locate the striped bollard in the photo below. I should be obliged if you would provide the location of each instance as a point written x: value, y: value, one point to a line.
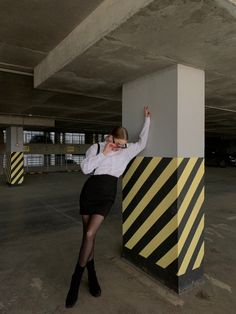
x: 15, y: 168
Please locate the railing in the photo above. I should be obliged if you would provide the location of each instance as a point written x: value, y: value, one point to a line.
x: 46, y: 163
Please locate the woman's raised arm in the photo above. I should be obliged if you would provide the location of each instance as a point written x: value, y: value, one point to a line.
x: 135, y: 148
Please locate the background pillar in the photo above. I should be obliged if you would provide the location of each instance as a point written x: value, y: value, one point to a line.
x: 58, y: 139
x: 88, y: 138
x: 15, y: 156
x: 163, y: 188
x: 47, y: 157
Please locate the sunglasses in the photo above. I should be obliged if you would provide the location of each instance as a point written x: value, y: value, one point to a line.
x: 119, y: 145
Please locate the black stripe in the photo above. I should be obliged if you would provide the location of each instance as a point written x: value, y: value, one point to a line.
x: 194, y: 227
x: 157, y: 199
x: 168, y: 243
x: 146, y: 186
x: 164, y: 248
x: 167, y: 216
x: 17, y: 181
x: 137, y: 173
x: 183, y: 252
x: 192, y: 176
x: 19, y: 161
x: 195, y: 254
x: 173, y: 238
x: 16, y: 174
x: 156, y: 228
x: 128, y: 166
x: 13, y: 154
x: 191, y: 206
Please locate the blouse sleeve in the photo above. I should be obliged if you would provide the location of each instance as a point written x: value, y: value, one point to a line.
x: 92, y: 160
x: 135, y: 148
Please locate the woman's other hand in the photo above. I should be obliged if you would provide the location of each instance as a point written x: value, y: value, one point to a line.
x: 147, y: 112
x: 108, y: 148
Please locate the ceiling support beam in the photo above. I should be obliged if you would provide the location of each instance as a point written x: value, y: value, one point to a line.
x: 104, y: 19
x: 26, y: 121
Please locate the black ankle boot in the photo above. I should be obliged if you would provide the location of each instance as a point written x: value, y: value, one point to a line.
x: 94, y: 287
x: 72, y: 294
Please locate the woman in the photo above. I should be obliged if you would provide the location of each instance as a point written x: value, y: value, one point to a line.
x: 107, y: 161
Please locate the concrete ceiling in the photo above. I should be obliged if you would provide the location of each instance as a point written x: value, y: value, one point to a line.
x: 83, y: 53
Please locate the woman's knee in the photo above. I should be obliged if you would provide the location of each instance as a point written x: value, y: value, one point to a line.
x: 90, y: 234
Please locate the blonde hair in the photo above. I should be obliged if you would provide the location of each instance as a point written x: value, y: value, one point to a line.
x: 120, y: 132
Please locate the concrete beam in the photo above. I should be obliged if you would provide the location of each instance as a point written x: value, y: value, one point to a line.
x: 26, y: 121
x: 228, y: 5
x: 106, y: 18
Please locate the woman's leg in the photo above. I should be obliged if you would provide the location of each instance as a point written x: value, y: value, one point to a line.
x: 92, y: 226
x: 94, y: 287
x: 85, y: 220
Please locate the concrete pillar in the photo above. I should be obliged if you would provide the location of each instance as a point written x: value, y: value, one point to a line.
x: 57, y: 141
x: 63, y: 138
x: 163, y: 188
x: 15, y: 156
x: 57, y: 137
x: 95, y: 138
x: 88, y: 138
x: 63, y: 156
x: 47, y: 157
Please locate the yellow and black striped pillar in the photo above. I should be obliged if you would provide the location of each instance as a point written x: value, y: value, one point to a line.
x: 15, y: 168
x: 163, y: 218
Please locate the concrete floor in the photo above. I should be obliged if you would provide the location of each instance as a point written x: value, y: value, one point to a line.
x: 40, y: 232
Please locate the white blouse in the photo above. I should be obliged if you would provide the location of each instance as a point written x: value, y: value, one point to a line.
x: 115, y: 162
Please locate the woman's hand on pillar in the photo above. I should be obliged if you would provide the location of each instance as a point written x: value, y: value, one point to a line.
x: 147, y: 112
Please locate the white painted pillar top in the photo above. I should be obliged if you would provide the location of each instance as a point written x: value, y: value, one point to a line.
x: 14, y: 138
x: 176, y: 100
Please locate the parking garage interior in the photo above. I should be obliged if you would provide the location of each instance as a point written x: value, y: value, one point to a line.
x: 70, y: 72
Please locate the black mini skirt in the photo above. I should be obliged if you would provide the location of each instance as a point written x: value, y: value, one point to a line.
x: 98, y: 195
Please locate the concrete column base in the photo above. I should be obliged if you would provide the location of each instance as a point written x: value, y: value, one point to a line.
x: 163, y: 218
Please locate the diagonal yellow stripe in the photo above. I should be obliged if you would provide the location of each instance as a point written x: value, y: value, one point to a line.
x: 174, y: 252
x: 21, y: 180
x: 21, y: 165
x: 16, y: 154
x: 13, y: 181
x: 191, y: 248
x: 160, y: 237
x: 141, y: 180
x: 199, y: 258
x: 173, y: 224
x: 164, y: 205
x: 131, y: 171
x: 13, y: 164
x: 157, y: 185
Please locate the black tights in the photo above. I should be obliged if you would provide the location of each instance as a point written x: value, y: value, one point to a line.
x: 91, y: 224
